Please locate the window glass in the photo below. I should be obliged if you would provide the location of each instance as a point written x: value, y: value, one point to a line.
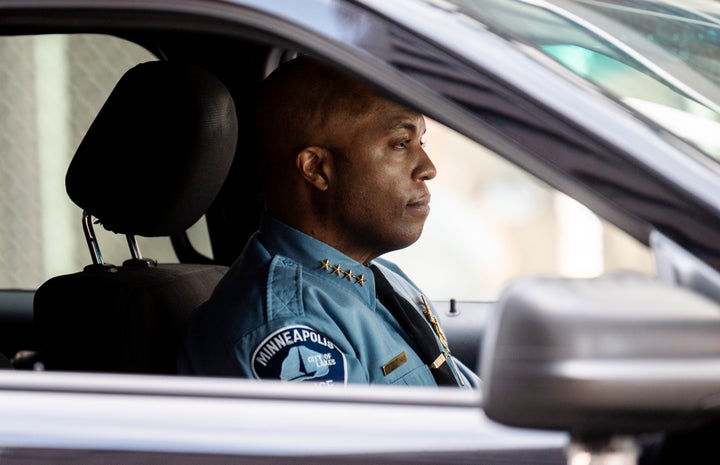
x: 491, y: 221
x: 51, y: 88
x: 659, y: 59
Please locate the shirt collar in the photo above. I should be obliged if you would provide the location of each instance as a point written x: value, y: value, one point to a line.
x: 318, y: 258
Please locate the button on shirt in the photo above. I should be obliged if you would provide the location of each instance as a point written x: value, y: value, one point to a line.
x: 293, y: 308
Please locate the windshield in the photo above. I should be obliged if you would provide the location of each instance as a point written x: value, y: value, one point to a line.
x: 660, y: 58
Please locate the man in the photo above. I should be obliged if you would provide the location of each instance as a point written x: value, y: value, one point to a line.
x: 308, y: 300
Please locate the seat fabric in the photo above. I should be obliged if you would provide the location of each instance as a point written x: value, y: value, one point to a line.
x: 129, y: 320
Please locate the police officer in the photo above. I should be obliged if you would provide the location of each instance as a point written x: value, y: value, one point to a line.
x: 309, y: 300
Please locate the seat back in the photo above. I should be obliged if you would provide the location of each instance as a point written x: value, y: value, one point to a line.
x: 151, y: 164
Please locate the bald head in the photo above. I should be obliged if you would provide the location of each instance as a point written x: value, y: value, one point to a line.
x: 299, y: 104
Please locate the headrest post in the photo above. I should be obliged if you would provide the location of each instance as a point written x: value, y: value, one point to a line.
x: 91, y: 239
x: 134, y: 247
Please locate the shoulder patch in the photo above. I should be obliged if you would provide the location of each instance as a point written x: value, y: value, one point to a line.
x: 299, y: 353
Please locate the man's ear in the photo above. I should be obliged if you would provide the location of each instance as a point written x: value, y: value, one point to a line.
x: 313, y: 163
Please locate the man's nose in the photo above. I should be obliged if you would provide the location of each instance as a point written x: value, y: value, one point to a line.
x: 425, y: 169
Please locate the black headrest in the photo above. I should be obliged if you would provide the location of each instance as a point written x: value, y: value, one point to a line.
x: 158, y: 151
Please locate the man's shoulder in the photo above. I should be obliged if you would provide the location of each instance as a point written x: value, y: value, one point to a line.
x: 261, y: 286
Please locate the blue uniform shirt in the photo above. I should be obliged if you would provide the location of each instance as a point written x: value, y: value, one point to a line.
x: 295, y: 309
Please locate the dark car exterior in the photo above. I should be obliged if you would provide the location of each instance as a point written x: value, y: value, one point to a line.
x: 467, y: 65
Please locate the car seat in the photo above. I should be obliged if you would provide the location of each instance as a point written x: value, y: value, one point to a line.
x: 150, y: 165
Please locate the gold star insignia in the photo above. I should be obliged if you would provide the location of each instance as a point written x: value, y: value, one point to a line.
x: 337, y: 270
x: 349, y: 275
x: 360, y: 279
x: 325, y: 264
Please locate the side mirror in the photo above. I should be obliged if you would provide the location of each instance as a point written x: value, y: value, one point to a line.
x: 601, y: 358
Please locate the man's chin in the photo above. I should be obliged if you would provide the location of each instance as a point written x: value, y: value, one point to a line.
x: 406, y: 240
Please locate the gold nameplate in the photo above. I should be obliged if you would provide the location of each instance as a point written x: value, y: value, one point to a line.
x: 393, y: 364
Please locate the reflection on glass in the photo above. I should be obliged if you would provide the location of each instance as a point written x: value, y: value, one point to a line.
x: 658, y: 58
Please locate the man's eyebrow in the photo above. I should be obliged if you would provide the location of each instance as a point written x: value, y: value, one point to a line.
x: 405, y: 124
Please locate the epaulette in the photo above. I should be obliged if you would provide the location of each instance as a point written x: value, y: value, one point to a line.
x: 284, y: 288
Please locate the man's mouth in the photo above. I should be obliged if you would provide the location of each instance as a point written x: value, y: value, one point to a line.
x: 421, y: 204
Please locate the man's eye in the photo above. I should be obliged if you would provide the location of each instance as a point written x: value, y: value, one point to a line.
x: 404, y: 143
